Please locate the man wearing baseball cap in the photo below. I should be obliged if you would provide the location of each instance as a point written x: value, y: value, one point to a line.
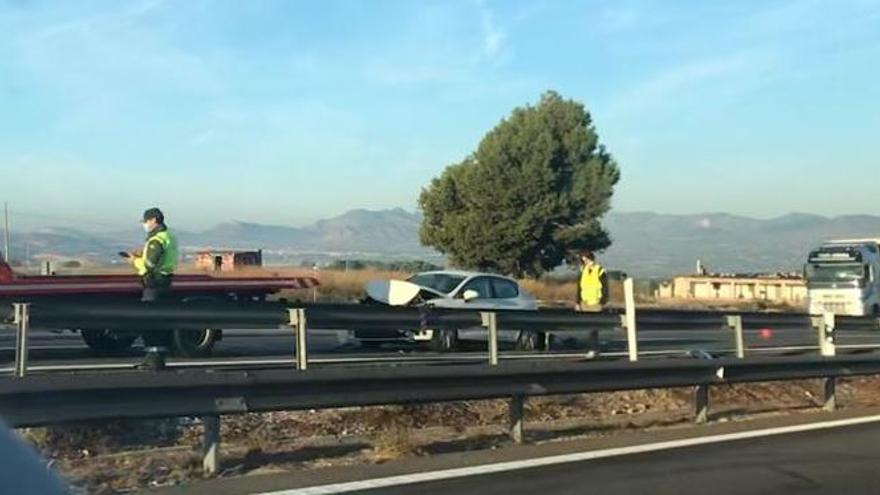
x: 158, y: 260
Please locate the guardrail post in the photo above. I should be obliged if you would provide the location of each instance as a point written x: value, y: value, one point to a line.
x: 211, y: 447
x: 632, y: 342
x: 517, y: 403
x: 22, y: 325
x: 154, y: 360
x: 701, y: 404
x: 830, y: 386
x: 490, y: 321
x: 298, y: 322
x: 824, y: 326
x: 735, y: 323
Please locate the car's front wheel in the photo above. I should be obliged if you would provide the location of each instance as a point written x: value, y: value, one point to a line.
x: 444, y: 340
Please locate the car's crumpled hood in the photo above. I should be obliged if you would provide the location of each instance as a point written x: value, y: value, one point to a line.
x: 396, y: 292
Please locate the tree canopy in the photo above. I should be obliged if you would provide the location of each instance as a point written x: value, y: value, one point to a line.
x: 532, y: 193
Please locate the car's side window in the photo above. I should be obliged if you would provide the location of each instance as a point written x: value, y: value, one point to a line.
x: 504, y: 289
x: 482, y: 285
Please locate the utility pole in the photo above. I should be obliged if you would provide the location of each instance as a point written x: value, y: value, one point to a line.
x: 6, y: 233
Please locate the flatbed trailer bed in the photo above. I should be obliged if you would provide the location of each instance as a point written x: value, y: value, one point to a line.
x: 185, y: 288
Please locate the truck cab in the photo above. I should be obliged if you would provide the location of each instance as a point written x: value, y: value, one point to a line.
x: 843, y: 277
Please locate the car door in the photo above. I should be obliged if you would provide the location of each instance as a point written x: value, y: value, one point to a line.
x: 483, y: 286
x: 505, y: 294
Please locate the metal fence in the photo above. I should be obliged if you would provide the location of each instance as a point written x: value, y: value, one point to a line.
x: 304, y: 318
x: 41, y: 398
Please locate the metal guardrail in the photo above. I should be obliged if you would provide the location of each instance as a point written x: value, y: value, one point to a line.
x: 27, y: 400
x: 39, y: 400
x: 34, y: 400
x: 200, y: 315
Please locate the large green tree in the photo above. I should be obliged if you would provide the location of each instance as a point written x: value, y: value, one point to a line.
x: 533, y: 192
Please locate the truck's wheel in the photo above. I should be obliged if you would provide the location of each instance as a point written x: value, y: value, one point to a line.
x: 444, y: 340
x: 193, y: 343
x: 530, y: 341
x: 107, y: 340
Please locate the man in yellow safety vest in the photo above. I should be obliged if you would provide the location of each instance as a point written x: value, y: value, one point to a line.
x: 158, y: 260
x: 592, y: 284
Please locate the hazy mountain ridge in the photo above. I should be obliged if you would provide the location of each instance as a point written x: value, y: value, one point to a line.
x: 645, y: 243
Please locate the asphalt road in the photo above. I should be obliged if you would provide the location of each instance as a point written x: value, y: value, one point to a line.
x: 832, y: 461
x: 67, y: 349
x: 825, y: 453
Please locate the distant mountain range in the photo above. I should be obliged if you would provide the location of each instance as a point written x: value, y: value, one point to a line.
x: 651, y: 244
x: 645, y: 244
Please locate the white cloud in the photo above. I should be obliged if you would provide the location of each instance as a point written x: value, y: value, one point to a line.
x: 437, y: 47
x: 493, y: 36
x: 100, y: 61
x: 680, y: 80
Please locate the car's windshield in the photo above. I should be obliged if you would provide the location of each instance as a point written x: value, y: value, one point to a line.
x: 440, y: 282
x: 835, y: 272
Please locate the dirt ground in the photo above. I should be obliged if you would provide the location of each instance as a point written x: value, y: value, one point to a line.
x: 122, y: 456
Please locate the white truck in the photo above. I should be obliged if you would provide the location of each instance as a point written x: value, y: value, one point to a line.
x: 843, y: 277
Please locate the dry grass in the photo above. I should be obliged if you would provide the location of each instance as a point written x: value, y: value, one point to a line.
x: 391, y: 439
x: 349, y: 286
x: 551, y: 291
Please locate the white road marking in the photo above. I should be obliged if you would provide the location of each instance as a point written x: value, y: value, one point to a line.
x: 561, y: 459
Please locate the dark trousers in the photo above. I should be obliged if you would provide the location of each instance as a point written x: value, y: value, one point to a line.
x: 155, y: 287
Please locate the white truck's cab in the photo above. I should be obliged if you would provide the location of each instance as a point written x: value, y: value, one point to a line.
x: 843, y: 277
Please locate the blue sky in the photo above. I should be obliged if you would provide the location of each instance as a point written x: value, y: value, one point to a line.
x: 286, y: 112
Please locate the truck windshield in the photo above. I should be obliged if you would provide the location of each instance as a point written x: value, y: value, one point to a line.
x: 440, y: 282
x: 835, y: 273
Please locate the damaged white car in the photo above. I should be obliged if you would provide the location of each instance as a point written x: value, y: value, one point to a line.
x: 452, y: 289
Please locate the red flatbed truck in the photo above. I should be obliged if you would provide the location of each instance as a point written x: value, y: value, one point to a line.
x: 110, y: 288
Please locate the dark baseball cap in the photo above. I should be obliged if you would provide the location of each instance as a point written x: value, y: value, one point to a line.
x: 154, y: 213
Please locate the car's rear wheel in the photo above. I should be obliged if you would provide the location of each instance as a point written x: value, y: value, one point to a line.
x: 444, y: 340
x: 107, y: 340
x: 531, y: 341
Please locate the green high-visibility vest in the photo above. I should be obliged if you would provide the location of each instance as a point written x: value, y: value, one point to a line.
x: 168, y: 263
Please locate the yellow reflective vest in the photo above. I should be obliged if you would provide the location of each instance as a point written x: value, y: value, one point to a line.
x: 591, y: 285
